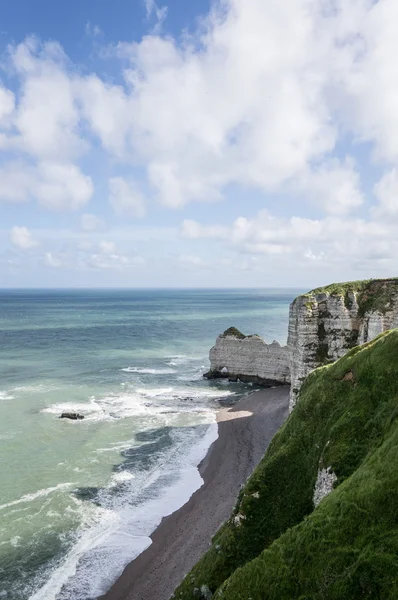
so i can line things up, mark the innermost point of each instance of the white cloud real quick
(50, 260)
(7, 104)
(334, 186)
(293, 241)
(92, 30)
(57, 186)
(46, 121)
(125, 198)
(160, 14)
(107, 247)
(191, 261)
(22, 238)
(117, 262)
(230, 104)
(386, 191)
(90, 222)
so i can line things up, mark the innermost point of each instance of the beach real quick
(244, 433)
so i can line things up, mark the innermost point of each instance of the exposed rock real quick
(324, 485)
(349, 376)
(248, 359)
(325, 323)
(71, 415)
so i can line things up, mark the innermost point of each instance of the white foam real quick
(145, 371)
(182, 359)
(6, 396)
(122, 532)
(142, 402)
(39, 494)
(86, 408)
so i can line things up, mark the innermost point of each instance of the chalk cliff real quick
(323, 325)
(318, 518)
(249, 359)
(327, 322)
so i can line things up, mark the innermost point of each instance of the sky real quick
(198, 144)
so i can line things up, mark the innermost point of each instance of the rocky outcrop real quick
(323, 325)
(72, 416)
(327, 322)
(248, 359)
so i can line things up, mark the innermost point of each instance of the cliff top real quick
(339, 289)
(372, 294)
(233, 332)
(347, 547)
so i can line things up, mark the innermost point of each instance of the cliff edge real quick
(327, 322)
(318, 519)
(324, 325)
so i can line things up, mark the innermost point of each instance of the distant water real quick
(78, 500)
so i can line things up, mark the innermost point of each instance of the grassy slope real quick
(348, 546)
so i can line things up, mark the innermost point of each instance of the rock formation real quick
(248, 359)
(317, 519)
(323, 325)
(72, 416)
(327, 322)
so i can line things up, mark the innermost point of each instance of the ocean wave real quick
(36, 389)
(182, 359)
(142, 402)
(119, 529)
(147, 371)
(6, 396)
(35, 495)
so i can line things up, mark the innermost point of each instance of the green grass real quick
(347, 548)
(233, 332)
(372, 294)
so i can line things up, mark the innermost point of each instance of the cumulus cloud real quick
(386, 191)
(110, 261)
(57, 186)
(91, 223)
(50, 260)
(334, 186)
(107, 247)
(229, 105)
(125, 198)
(160, 13)
(22, 238)
(7, 104)
(295, 240)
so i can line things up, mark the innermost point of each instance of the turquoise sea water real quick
(78, 500)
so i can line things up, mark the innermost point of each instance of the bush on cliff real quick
(276, 546)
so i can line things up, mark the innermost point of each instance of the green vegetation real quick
(233, 332)
(372, 294)
(276, 546)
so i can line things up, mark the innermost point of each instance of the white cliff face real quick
(250, 359)
(324, 326)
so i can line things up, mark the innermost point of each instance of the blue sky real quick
(197, 144)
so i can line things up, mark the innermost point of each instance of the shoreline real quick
(244, 433)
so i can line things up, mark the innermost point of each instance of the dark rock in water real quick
(213, 374)
(71, 415)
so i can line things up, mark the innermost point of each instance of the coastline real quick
(244, 433)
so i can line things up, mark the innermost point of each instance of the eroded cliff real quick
(327, 322)
(318, 518)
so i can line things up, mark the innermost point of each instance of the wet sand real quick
(244, 433)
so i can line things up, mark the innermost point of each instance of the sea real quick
(79, 499)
